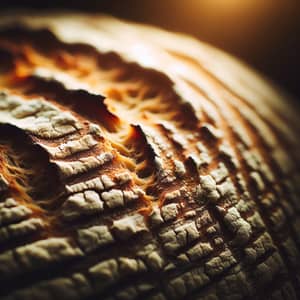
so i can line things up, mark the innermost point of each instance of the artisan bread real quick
(141, 164)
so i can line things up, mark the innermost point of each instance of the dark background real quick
(264, 33)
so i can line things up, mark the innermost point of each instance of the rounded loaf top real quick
(141, 164)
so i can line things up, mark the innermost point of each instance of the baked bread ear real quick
(141, 164)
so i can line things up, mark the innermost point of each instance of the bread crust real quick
(141, 164)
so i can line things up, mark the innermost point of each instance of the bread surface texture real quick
(141, 164)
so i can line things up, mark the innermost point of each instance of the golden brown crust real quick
(140, 164)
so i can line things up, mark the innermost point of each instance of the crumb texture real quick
(141, 164)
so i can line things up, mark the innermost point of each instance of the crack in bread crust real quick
(156, 168)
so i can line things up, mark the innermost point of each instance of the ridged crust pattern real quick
(141, 164)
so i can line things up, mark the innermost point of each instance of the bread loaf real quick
(141, 164)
